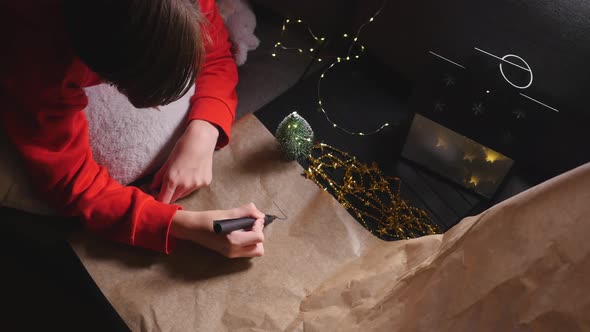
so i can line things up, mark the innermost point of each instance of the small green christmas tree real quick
(295, 136)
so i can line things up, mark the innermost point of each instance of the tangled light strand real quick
(386, 215)
(279, 45)
(348, 57)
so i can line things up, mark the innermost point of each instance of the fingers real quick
(235, 244)
(250, 210)
(171, 191)
(258, 227)
(170, 186)
(167, 190)
(157, 182)
(241, 238)
(255, 250)
(181, 191)
(248, 244)
(178, 194)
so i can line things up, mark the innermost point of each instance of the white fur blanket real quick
(128, 141)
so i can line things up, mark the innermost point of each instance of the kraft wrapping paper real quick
(522, 265)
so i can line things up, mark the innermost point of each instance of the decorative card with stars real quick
(479, 124)
(472, 95)
(455, 157)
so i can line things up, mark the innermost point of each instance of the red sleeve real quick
(215, 98)
(49, 129)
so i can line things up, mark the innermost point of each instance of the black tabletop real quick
(360, 96)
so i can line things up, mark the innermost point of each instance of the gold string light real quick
(385, 214)
(279, 45)
(349, 56)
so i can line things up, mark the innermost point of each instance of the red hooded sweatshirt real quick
(42, 98)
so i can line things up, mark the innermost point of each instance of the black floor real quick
(43, 284)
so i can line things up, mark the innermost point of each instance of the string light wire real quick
(350, 56)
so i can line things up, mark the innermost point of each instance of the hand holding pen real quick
(225, 226)
(198, 227)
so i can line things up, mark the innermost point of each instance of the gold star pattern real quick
(469, 156)
(441, 143)
(493, 156)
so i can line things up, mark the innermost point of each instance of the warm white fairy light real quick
(337, 59)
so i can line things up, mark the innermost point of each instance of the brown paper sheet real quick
(523, 265)
(520, 266)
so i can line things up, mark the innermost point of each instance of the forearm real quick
(202, 130)
(184, 221)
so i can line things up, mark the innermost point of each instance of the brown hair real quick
(151, 50)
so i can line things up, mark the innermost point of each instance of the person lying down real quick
(152, 52)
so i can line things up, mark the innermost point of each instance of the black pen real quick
(229, 225)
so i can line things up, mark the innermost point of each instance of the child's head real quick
(151, 50)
